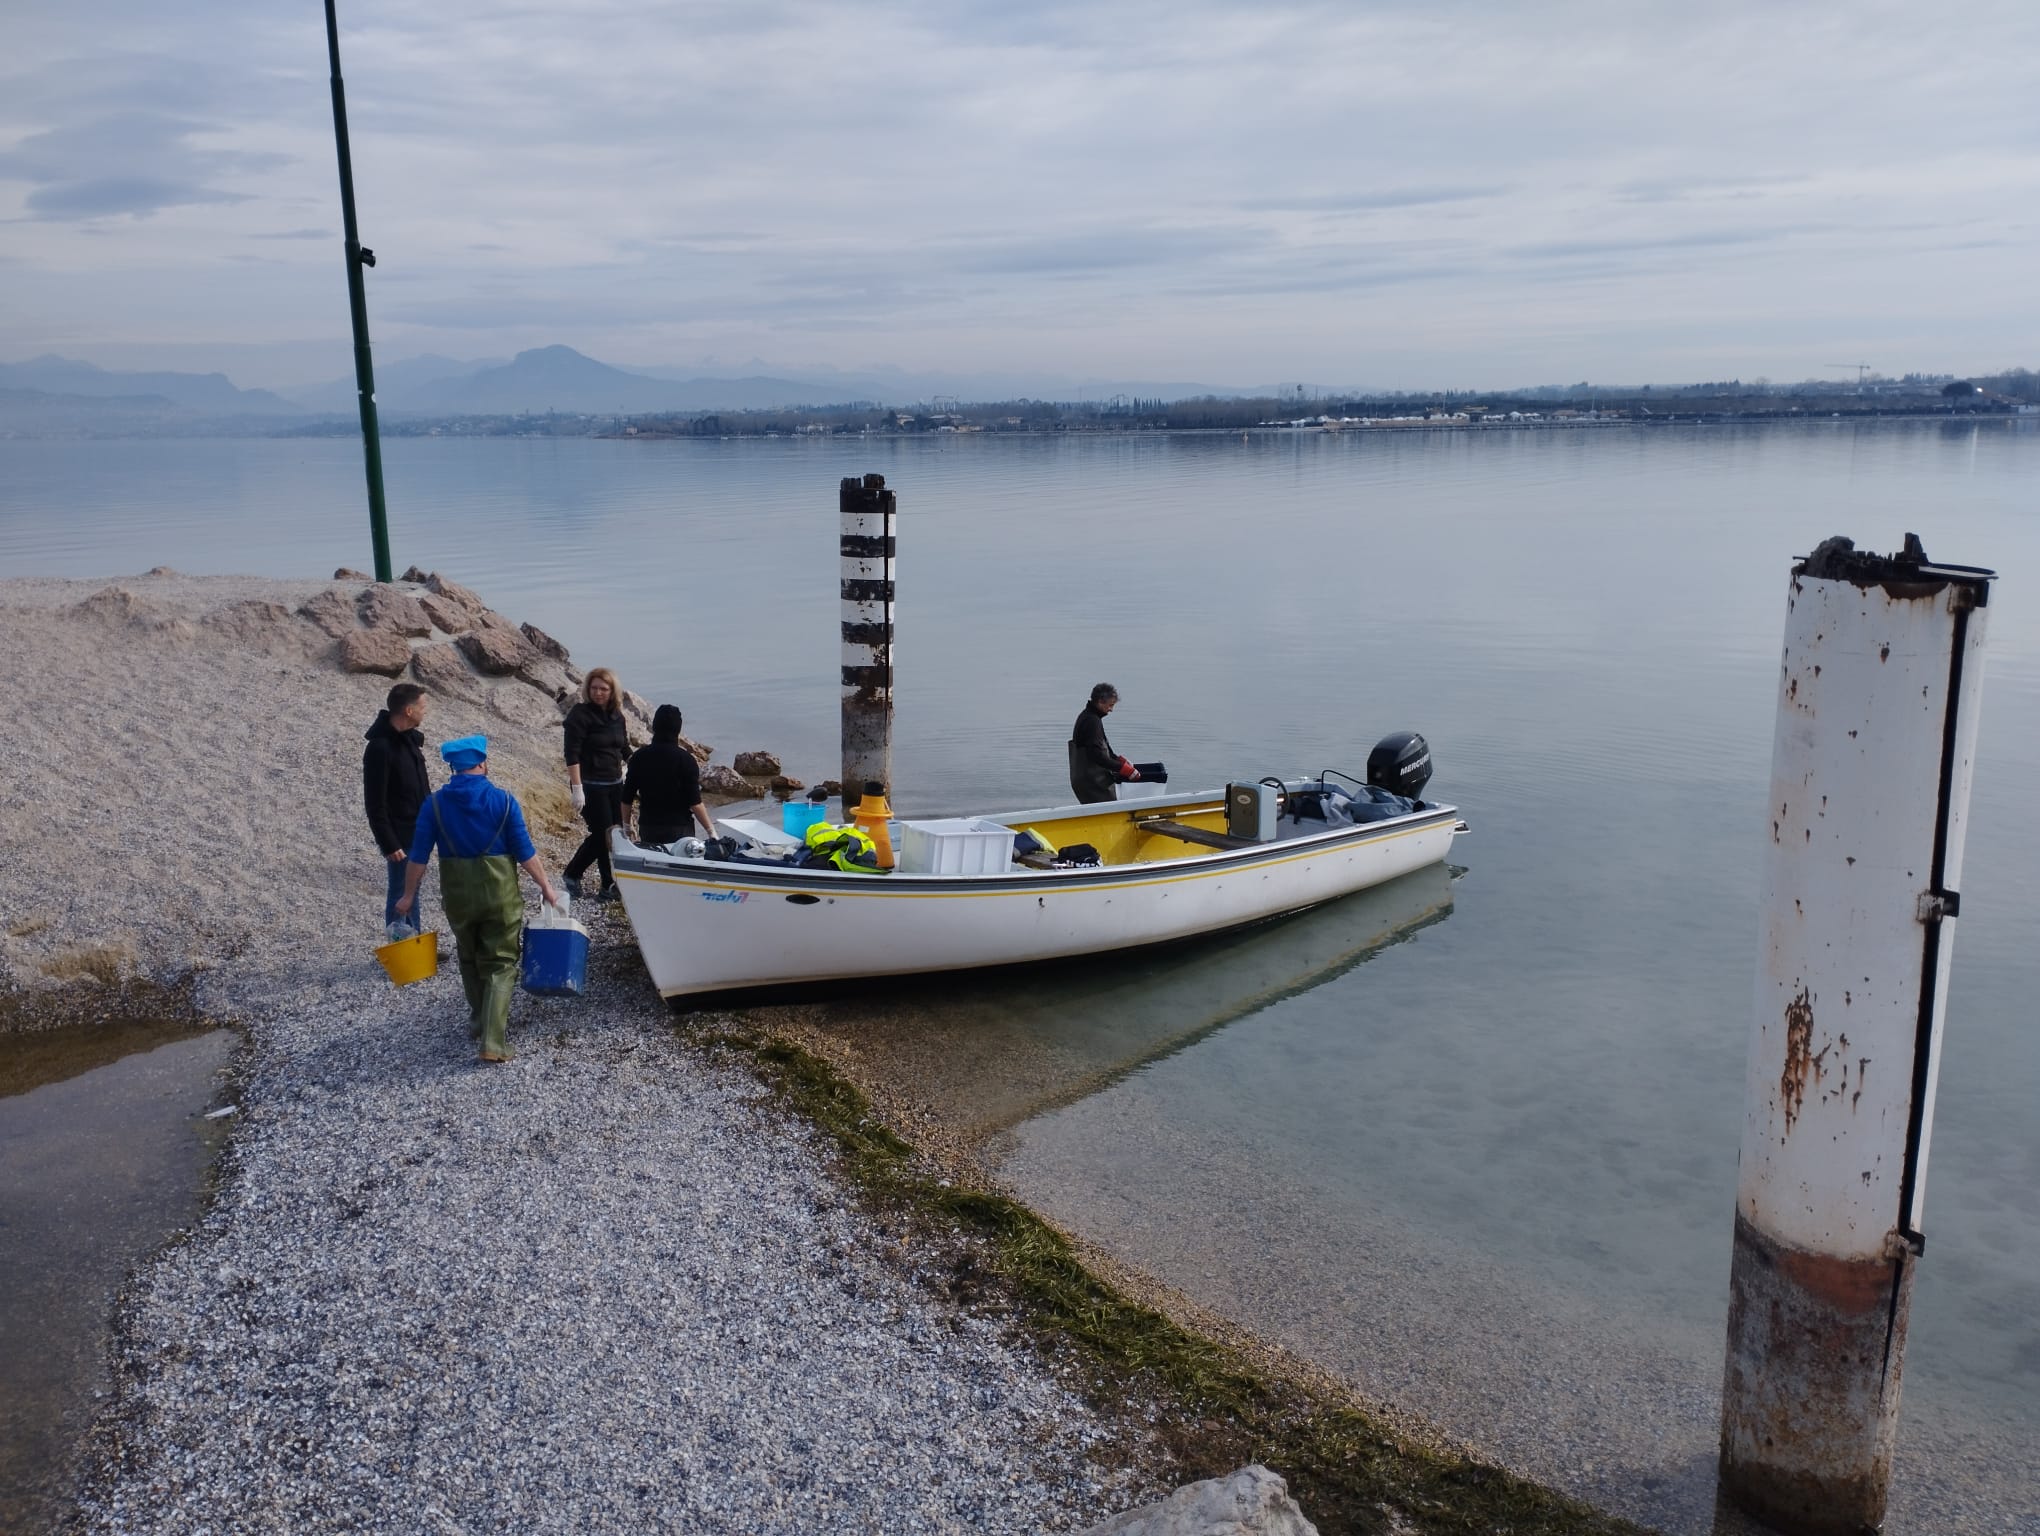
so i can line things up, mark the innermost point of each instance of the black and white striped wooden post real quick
(868, 509)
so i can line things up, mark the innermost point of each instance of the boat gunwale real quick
(642, 864)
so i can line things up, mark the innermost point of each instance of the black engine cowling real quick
(1400, 764)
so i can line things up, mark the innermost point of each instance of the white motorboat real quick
(1166, 868)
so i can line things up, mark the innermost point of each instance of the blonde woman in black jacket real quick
(598, 744)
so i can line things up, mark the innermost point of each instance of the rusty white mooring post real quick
(868, 509)
(1870, 770)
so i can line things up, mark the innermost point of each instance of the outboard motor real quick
(1400, 764)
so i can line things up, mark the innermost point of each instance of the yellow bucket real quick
(412, 959)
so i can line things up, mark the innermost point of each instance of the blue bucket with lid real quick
(556, 961)
(796, 816)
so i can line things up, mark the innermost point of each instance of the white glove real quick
(578, 795)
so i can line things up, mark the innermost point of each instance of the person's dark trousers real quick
(603, 811)
(658, 834)
(389, 911)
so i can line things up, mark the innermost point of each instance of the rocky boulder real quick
(349, 573)
(639, 708)
(445, 614)
(496, 652)
(332, 611)
(374, 650)
(386, 608)
(1251, 1502)
(454, 592)
(547, 676)
(542, 642)
(726, 783)
(784, 785)
(444, 671)
(523, 705)
(757, 765)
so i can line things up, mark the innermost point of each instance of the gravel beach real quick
(607, 1288)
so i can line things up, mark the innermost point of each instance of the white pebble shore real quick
(608, 1287)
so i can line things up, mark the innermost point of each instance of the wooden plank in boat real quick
(1198, 835)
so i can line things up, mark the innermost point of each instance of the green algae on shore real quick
(1350, 1472)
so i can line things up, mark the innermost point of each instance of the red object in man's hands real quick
(1126, 768)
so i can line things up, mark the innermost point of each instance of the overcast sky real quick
(1342, 194)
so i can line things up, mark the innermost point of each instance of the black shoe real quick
(609, 892)
(571, 884)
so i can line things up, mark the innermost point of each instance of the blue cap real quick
(465, 751)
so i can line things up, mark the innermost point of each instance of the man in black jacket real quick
(394, 785)
(1096, 770)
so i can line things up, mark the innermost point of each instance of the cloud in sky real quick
(1346, 193)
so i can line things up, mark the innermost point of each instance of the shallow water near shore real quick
(103, 1156)
(1490, 1173)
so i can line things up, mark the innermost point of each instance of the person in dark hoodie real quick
(598, 742)
(1096, 771)
(663, 785)
(394, 783)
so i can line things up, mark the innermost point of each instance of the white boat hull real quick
(709, 927)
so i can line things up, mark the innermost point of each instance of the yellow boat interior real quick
(1132, 832)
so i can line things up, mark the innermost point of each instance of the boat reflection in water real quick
(984, 1051)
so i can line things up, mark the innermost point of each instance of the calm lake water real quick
(1490, 1173)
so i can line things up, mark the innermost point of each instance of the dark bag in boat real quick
(729, 850)
(1075, 856)
(1152, 773)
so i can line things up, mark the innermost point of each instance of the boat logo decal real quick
(724, 895)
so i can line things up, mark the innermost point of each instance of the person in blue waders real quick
(479, 830)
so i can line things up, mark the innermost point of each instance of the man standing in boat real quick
(1096, 770)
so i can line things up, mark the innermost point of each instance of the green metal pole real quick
(357, 304)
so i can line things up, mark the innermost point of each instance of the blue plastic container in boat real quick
(556, 961)
(796, 816)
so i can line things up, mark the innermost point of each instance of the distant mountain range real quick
(205, 394)
(56, 391)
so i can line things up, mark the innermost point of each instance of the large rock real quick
(386, 608)
(497, 652)
(349, 573)
(757, 765)
(488, 618)
(1251, 1502)
(546, 675)
(446, 614)
(444, 671)
(522, 704)
(542, 642)
(453, 591)
(726, 782)
(375, 650)
(701, 753)
(332, 610)
(785, 784)
(639, 709)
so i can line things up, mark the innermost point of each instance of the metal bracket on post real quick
(1936, 906)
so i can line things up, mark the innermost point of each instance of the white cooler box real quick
(961, 845)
